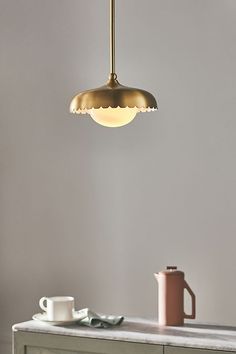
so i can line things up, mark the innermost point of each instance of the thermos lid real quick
(171, 270)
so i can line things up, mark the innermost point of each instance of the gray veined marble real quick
(192, 335)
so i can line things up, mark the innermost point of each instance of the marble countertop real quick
(192, 335)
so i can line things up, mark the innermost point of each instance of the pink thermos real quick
(171, 285)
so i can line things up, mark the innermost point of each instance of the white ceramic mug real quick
(58, 308)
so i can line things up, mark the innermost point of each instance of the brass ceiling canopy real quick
(113, 104)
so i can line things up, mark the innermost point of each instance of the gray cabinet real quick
(135, 336)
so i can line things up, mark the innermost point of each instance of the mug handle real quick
(41, 303)
(191, 293)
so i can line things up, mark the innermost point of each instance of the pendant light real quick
(113, 105)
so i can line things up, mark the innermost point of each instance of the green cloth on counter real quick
(92, 319)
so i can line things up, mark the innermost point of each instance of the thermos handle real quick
(193, 314)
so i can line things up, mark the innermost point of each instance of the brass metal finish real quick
(112, 36)
(113, 95)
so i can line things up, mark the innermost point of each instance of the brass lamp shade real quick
(113, 105)
(113, 95)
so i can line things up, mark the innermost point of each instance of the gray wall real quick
(91, 211)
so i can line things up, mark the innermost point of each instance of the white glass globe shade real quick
(113, 117)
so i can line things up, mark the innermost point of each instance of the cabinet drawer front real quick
(43, 343)
(180, 350)
(34, 350)
(39, 343)
(108, 348)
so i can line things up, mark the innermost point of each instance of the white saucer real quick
(42, 317)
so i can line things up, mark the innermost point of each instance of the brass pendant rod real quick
(112, 36)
